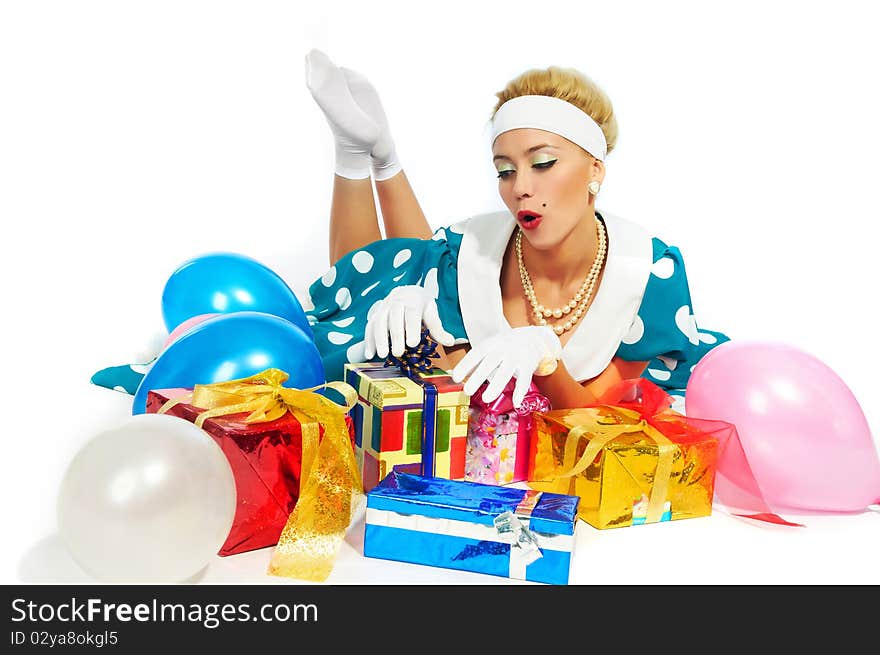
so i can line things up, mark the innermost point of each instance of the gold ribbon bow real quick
(598, 435)
(330, 483)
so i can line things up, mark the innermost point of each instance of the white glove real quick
(516, 353)
(354, 132)
(400, 316)
(384, 155)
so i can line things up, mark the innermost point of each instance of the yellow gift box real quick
(626, 468)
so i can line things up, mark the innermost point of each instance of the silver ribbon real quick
(512, 528)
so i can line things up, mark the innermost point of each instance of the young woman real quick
(551, 290)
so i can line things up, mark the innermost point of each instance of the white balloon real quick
(150, 500)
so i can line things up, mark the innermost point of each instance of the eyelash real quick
(544, 165)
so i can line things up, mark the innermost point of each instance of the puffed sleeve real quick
(344, 295)
(446, 290)
(664, 332)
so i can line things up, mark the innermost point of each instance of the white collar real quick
(598, 334)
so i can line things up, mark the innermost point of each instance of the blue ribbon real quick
(416, 360)
(413, 363)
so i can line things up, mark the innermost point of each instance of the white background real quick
(134, 136)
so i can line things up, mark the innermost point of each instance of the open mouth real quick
(528, 219)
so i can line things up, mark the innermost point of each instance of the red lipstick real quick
(528, 220)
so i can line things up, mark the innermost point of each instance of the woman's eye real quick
(544, 163)
(505, 172)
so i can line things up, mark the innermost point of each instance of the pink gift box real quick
(498, 436)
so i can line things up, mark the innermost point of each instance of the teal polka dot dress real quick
(663, 333)
(345, 294)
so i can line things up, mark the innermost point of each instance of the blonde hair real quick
(566, 84)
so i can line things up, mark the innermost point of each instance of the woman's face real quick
(543, 178)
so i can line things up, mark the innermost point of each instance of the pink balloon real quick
(183, 327)
(805, 435)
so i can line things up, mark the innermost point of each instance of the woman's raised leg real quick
(401, 212)
(353, 219)
(363, 144)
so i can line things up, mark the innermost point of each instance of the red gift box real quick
(266, 460)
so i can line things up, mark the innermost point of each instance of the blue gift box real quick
(504, 531)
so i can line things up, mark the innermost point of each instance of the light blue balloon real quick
(226, 282)
(232, 346)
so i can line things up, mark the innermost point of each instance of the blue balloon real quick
(226, 282)
(232, 346)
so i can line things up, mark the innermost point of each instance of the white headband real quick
(552, 115)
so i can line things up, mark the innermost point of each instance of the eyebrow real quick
(527, 152)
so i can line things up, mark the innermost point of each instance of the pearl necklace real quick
(577, 306)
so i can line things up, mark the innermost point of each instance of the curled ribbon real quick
(523, 543)
(533, 401)
(524, 547)
(330, 483)
(416, 360)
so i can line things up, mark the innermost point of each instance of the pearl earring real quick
(593, 187)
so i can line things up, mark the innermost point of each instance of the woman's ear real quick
(597, 170)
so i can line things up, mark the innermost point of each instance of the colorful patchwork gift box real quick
(632, 462)
(396, 415)
(504, 531)
(499, 435)
(269, 460)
